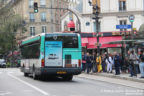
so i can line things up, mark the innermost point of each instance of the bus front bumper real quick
(60, 71)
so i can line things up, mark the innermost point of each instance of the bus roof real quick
(37, 37)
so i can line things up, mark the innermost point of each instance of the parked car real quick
(2, 63)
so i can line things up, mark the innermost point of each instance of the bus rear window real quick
(68, 41)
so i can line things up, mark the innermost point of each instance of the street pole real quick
(131, 19)
(97, 25)
(95, 6)
(124, 45)
(97, 32)
(132, 32)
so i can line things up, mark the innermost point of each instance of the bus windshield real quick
(69, 41)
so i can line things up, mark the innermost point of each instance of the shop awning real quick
(84, 41)
(104, 42)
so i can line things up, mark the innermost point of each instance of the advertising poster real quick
(53, 53)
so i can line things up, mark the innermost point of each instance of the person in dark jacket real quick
(94, 64)
(141, 66)
(88, 62)
(132, 59)
(116, 63)
(83, 61)
(103, 62)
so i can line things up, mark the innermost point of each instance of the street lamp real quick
(96, 18)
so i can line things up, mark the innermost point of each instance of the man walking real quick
(88, 62)
(132, 59)
(94, 65)
(141, 66)
(116, 64)
(83, 62)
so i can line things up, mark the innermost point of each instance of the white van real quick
(2, 63)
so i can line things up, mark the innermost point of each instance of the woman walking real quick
(109, 63)
(98, 61)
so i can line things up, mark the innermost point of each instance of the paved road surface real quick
(13, 83)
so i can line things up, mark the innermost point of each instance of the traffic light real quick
(35, 7)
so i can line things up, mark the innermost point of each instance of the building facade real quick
(84, 11)
(45, 21)
(117, 12)
(112, 13)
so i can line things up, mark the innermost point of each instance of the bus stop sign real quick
(131, 18)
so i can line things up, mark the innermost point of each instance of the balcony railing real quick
(32, 20)
(43, 20)
(31, 6)
(42, 6)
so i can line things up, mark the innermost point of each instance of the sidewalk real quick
(123, 76)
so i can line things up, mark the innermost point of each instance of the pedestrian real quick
(88, 62)
(132, 59)
(104, 63)
(116, 63)
(125, 65)
(109, 63)
(94, 64)
(141, 66)
(98, 61)
(83, 62)
(121, 60)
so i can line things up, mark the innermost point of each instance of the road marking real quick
(30, 85)
(2, 93)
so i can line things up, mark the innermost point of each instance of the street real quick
(13, 83)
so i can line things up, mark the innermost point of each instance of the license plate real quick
(61, 72)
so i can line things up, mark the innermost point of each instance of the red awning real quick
(84, 41)
(103, 41)
(92, 41)
(71, 24)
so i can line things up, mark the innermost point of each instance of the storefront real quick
(89, 44)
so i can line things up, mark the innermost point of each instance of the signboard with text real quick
(123, 26)
(53, 53)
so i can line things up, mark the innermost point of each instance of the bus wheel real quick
(68, 77)
(35, 77)
(25, 74)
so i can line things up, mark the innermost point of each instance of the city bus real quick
(52, 54)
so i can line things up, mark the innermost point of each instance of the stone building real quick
(45, 21)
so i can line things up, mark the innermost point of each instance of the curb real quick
(117, 77)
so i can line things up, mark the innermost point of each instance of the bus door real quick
(53, 53)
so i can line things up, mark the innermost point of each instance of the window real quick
(65, 26)
(32, 18)
(43, 3)
(123, 22)
(43, 16)
(67, 59)
(32, 31)
(68, 41)
(31, 2)
(31, 51)
(95, 29)
(44, 30)
(122, 5)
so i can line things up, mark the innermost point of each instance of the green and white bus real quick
(53, 54)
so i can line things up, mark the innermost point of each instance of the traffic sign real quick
(123, 26)
(131, 18)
